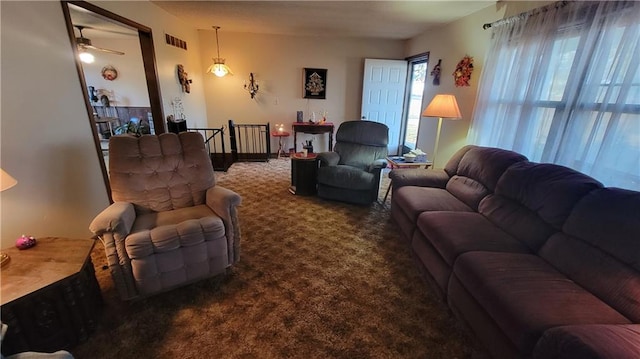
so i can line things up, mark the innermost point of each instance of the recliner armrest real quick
(378, 164)
(223, 202)
(118, 217)
(437, 178)
(328, 158)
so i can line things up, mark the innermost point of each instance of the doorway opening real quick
(95, 21)
(417, 73)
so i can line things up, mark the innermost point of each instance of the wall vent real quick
(174, 41)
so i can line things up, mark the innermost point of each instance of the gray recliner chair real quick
(351, 173)
(170, 224)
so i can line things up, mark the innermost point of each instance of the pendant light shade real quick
(219, 68)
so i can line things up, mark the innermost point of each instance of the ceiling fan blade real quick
(85, 46)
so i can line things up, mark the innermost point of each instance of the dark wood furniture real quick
(50, 297)
(304, 170)
(312, 128)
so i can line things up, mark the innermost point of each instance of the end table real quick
(50, 297)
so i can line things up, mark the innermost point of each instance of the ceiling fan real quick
(84, 43)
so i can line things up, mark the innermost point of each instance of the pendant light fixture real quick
(219, 68)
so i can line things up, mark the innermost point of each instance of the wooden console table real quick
(312, 128)
(50, 297)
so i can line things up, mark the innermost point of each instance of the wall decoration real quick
(109, 73)
(183, 77)
(315, 83)
(436, 73)
(463, 71)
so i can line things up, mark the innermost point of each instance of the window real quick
(415, 89)
(563, 86)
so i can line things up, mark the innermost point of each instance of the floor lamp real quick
(442, 106)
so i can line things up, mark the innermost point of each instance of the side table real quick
(398, 162)
(50, 297)
(304, 170)
(280, 135)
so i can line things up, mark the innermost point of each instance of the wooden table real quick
(398, 162)
(280, 134)
(50, 297)
(312, 128)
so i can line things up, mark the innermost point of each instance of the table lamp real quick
(6, 182)
(442, 106)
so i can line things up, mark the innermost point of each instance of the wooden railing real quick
(214, 141)
(249, 142)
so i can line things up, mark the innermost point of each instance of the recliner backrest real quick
(160, 173)
(360, 143)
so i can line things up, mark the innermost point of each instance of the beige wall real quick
(45, 135)
(277, 62)
(451, 43)
(130, 87)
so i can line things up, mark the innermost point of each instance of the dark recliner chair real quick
(351, 173)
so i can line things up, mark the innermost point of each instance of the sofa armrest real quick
(419, 177)
(590, 342)
(328, 159)
(224, 202)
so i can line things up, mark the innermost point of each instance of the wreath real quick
(463, 71)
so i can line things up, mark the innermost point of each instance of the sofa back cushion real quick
(600, 248)
(478, 172)
(533, 200)
(160, 173)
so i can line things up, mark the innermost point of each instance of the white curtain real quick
(562, 85)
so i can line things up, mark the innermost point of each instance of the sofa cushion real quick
(532, 200)
(550, 191)
(525, 295)
(600, 249)
(590, 342)
(343, 176)
(454, 233)
(478, 173)
(415, 200)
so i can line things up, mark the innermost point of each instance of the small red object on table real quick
(280, 135)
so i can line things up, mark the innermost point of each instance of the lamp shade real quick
(443, 106)
(6, 181)
(219, 68)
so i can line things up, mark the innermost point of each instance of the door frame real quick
(149, 62)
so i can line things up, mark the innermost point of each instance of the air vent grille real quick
(174, 41)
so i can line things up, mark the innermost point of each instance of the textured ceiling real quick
(377, 19)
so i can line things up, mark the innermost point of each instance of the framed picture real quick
(315, 83)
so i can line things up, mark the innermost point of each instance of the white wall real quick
(168, 57)
(130, 87)
(45, 135)
(451, 43)
(277, 62)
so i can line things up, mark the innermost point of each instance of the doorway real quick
(415, 89)
(103, 102)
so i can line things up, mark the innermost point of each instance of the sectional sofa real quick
(537, 259)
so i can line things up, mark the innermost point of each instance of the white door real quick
(383, 87)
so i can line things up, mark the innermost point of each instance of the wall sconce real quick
(252, 87)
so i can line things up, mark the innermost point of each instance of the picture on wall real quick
(315, 83)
